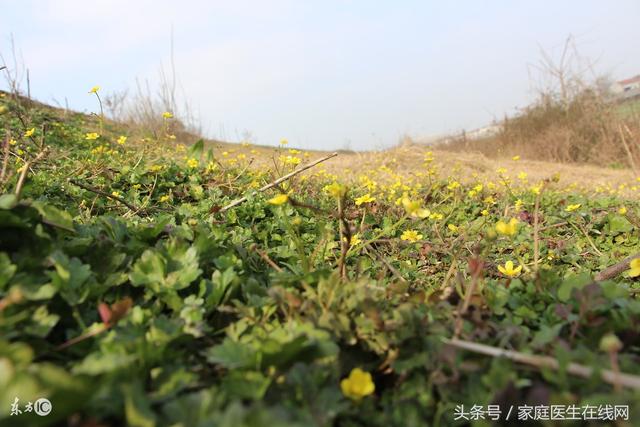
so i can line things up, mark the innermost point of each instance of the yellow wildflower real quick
(518, 205)
(411, 236)
(522, 176)
(507, 229)
(572, 208)
(355, 239)
(115, 193)
(484, 212)
(283, 141)
(12, 141)
(167, 115)
(358, 385)
(436, 216)
(290, 160)
(91, 136)
(279, 199)
(122, 140)
(192, 163)
(452, 227)
(412, 207)
(164, 198)
(29, 133)
(94, 89)
(365, 199)
(634, 266)
(622, 210)
(515, 158)
(335, 190)
(508, 269)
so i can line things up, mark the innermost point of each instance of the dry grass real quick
(408, 160)
(586, 130)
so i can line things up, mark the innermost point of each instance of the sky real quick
(325, 74)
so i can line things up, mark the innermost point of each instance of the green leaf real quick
(7, 270)
(196, 149)
(8, 201)
(137, 407)
(42, 322)
(246, 384)
(220, 284)
(70, 277)
(54, 216)
(232, 355)
(99, 363)
(573, 282)
(149, 270)
(618, 224)
(546, 334)
(173, 268)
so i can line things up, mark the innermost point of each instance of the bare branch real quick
(279, 180)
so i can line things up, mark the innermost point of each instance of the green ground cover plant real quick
(129, 294)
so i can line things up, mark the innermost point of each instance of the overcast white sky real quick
(323, 74)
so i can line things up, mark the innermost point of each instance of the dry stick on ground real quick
(369, 249)
(105, 194)
(614, 270)
(345, 238)
(558, 224)
(147, 199)
(266, 258)
(5, 160)
(25, 171)
(278, 181)
(586, 235)
(476, 273)
(611, 377)
(536, 231)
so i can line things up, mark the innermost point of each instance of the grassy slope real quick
(243, 319)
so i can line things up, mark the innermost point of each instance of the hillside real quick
(399, 288)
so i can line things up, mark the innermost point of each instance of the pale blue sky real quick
(324, 74)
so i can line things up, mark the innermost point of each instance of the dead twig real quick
(550, 226)
(266, 259)
(105, 194)
(536, 232)
(608, 376)
(278, 181)
(391, 268)
(25, 171)
(614, 270)
(345, 238)
(5, 158)
(476, 267)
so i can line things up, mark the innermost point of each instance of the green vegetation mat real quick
(129, 297)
